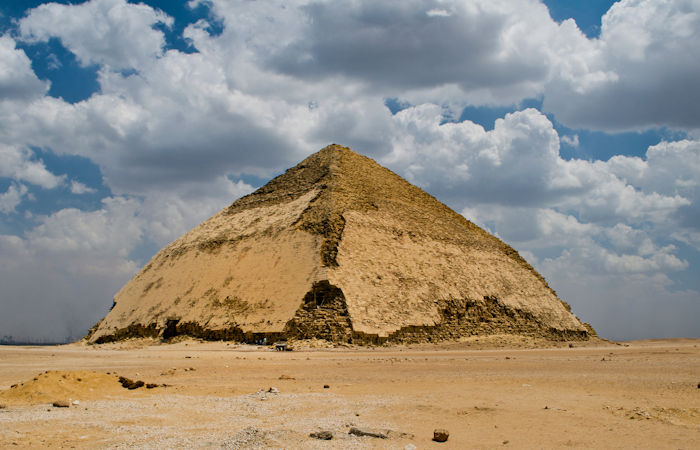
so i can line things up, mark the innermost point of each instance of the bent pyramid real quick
(337, 248)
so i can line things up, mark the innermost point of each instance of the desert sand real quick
(488, 393)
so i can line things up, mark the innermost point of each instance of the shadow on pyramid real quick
(342, 249)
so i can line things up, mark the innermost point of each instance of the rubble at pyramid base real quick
(324, 315)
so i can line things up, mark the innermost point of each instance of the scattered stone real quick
(273, 390)
(322, 435)
(440, 435)
(571, 345)
(3, 406)
(61, 404)
(130, 384)
(286, 377)
(375, 434)
(325, 386)
(151, 385)
(76, 402)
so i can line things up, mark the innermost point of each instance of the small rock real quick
(151, 385)
(698, 385)
(130, 384)
(61, 404)
(322, 435)
(286, 377)
(325, 386)
(440, 435)
(571, 345)
(410, 447)
(273, 390)
(76, 402)
(375, 434)
(3, 406)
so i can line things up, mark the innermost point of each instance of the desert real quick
(488, 392)
(320, 224)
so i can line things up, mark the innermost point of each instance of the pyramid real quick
(337, 248)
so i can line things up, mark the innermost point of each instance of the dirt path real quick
(637, 395)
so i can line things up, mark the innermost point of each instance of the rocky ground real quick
(497, 393)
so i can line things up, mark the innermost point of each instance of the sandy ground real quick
(628, 395)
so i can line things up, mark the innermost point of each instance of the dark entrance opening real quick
(170, 330)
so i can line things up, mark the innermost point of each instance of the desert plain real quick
(496, 392)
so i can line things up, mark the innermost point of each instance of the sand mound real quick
(54, 385)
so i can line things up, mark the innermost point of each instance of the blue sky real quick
(570, 129)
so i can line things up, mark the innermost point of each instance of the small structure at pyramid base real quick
(342, 249)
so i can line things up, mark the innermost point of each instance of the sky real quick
(569, 129)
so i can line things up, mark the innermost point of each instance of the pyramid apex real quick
(337, 148)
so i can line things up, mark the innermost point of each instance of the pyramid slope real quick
(339, 248)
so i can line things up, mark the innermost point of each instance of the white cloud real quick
(17, 80)
(571, 141)
(110, 32)
(651, 48)
(487, 51)
(78, 188)
(11, 198)
(17, 163)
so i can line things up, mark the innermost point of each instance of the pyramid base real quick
(324, 315)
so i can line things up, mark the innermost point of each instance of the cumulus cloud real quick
(110, 32)
(483, 51)
(571, 141)
(17, 163)
(78, 188)
(12, 197)
(17, 79)
(651, 48)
